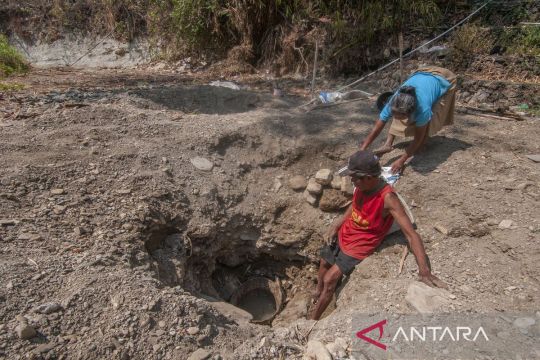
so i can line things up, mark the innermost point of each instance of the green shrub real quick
(527, 42)
(11, 61)
(194, 19)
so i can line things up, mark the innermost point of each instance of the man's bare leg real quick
(387, 147)
(330, 281)
(323, 268)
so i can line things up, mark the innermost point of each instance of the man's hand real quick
(333, 229)
(328, 237)
(397, 165)
(431, 280)
(379, 126)
(396, 209)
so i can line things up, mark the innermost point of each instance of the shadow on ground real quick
(439, 149)
(347, 123)
(203, 99)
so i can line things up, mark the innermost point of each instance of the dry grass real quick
(467, 43)
(519, 69)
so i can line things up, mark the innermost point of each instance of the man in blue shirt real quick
(420, 108)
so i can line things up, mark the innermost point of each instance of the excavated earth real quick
(113, 244)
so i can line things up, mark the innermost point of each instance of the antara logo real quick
(423, 334)
(380, 326)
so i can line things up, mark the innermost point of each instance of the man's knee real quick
(331, 278)
(329, 286)
(324, 264)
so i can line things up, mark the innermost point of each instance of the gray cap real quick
(361, 163)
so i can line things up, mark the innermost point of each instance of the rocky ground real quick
(129, 200)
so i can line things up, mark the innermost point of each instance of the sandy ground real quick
(104, 214)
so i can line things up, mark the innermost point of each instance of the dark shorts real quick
(332, 254)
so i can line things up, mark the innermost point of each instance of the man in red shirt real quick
(362, 229)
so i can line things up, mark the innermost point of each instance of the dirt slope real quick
(104, 214)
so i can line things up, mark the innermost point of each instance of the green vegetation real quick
(527, 41)
(8, 87)
(472, 40)
(509, 13)
(283, 32)
(353, 35)
(533, 110)
(10, 59)
(468, 42)
(195, 20)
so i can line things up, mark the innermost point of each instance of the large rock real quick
(533, 157)
(48, 308)
(506, 224)
(313, 187)
(43, 348)
(426, 299)
(295, 309)
(294, 238)
(277, 185)
(332, 200)
(317, 351)
(239, 316)
(524, 322)
(480, 97)
(200, 354)
(324, 176)
(25, 331)
(338, 348)
(202, 164)
(310, 198)
(8, 222)
(298, 183)
(346, 185)
(336, 182)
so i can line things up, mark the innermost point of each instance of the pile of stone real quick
(326, 190)
(317, 350)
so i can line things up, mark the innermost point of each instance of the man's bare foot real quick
(315, 294)
(385, 149)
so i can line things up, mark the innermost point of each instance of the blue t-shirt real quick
(429, 88)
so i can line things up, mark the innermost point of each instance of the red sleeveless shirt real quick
(365, 229)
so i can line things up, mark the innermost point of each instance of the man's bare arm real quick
(394, 206)
(336, 224)
(419, 134)
(379, 126)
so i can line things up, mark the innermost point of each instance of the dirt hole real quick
(260, 303)
(261, 297)
(262, 286)
(169, 251)
(273, 288)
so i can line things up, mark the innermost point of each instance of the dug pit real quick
(267, 287)
(261, 297)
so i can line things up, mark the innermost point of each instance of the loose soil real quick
(104, 213)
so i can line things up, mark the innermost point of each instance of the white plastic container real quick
(330, 97)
